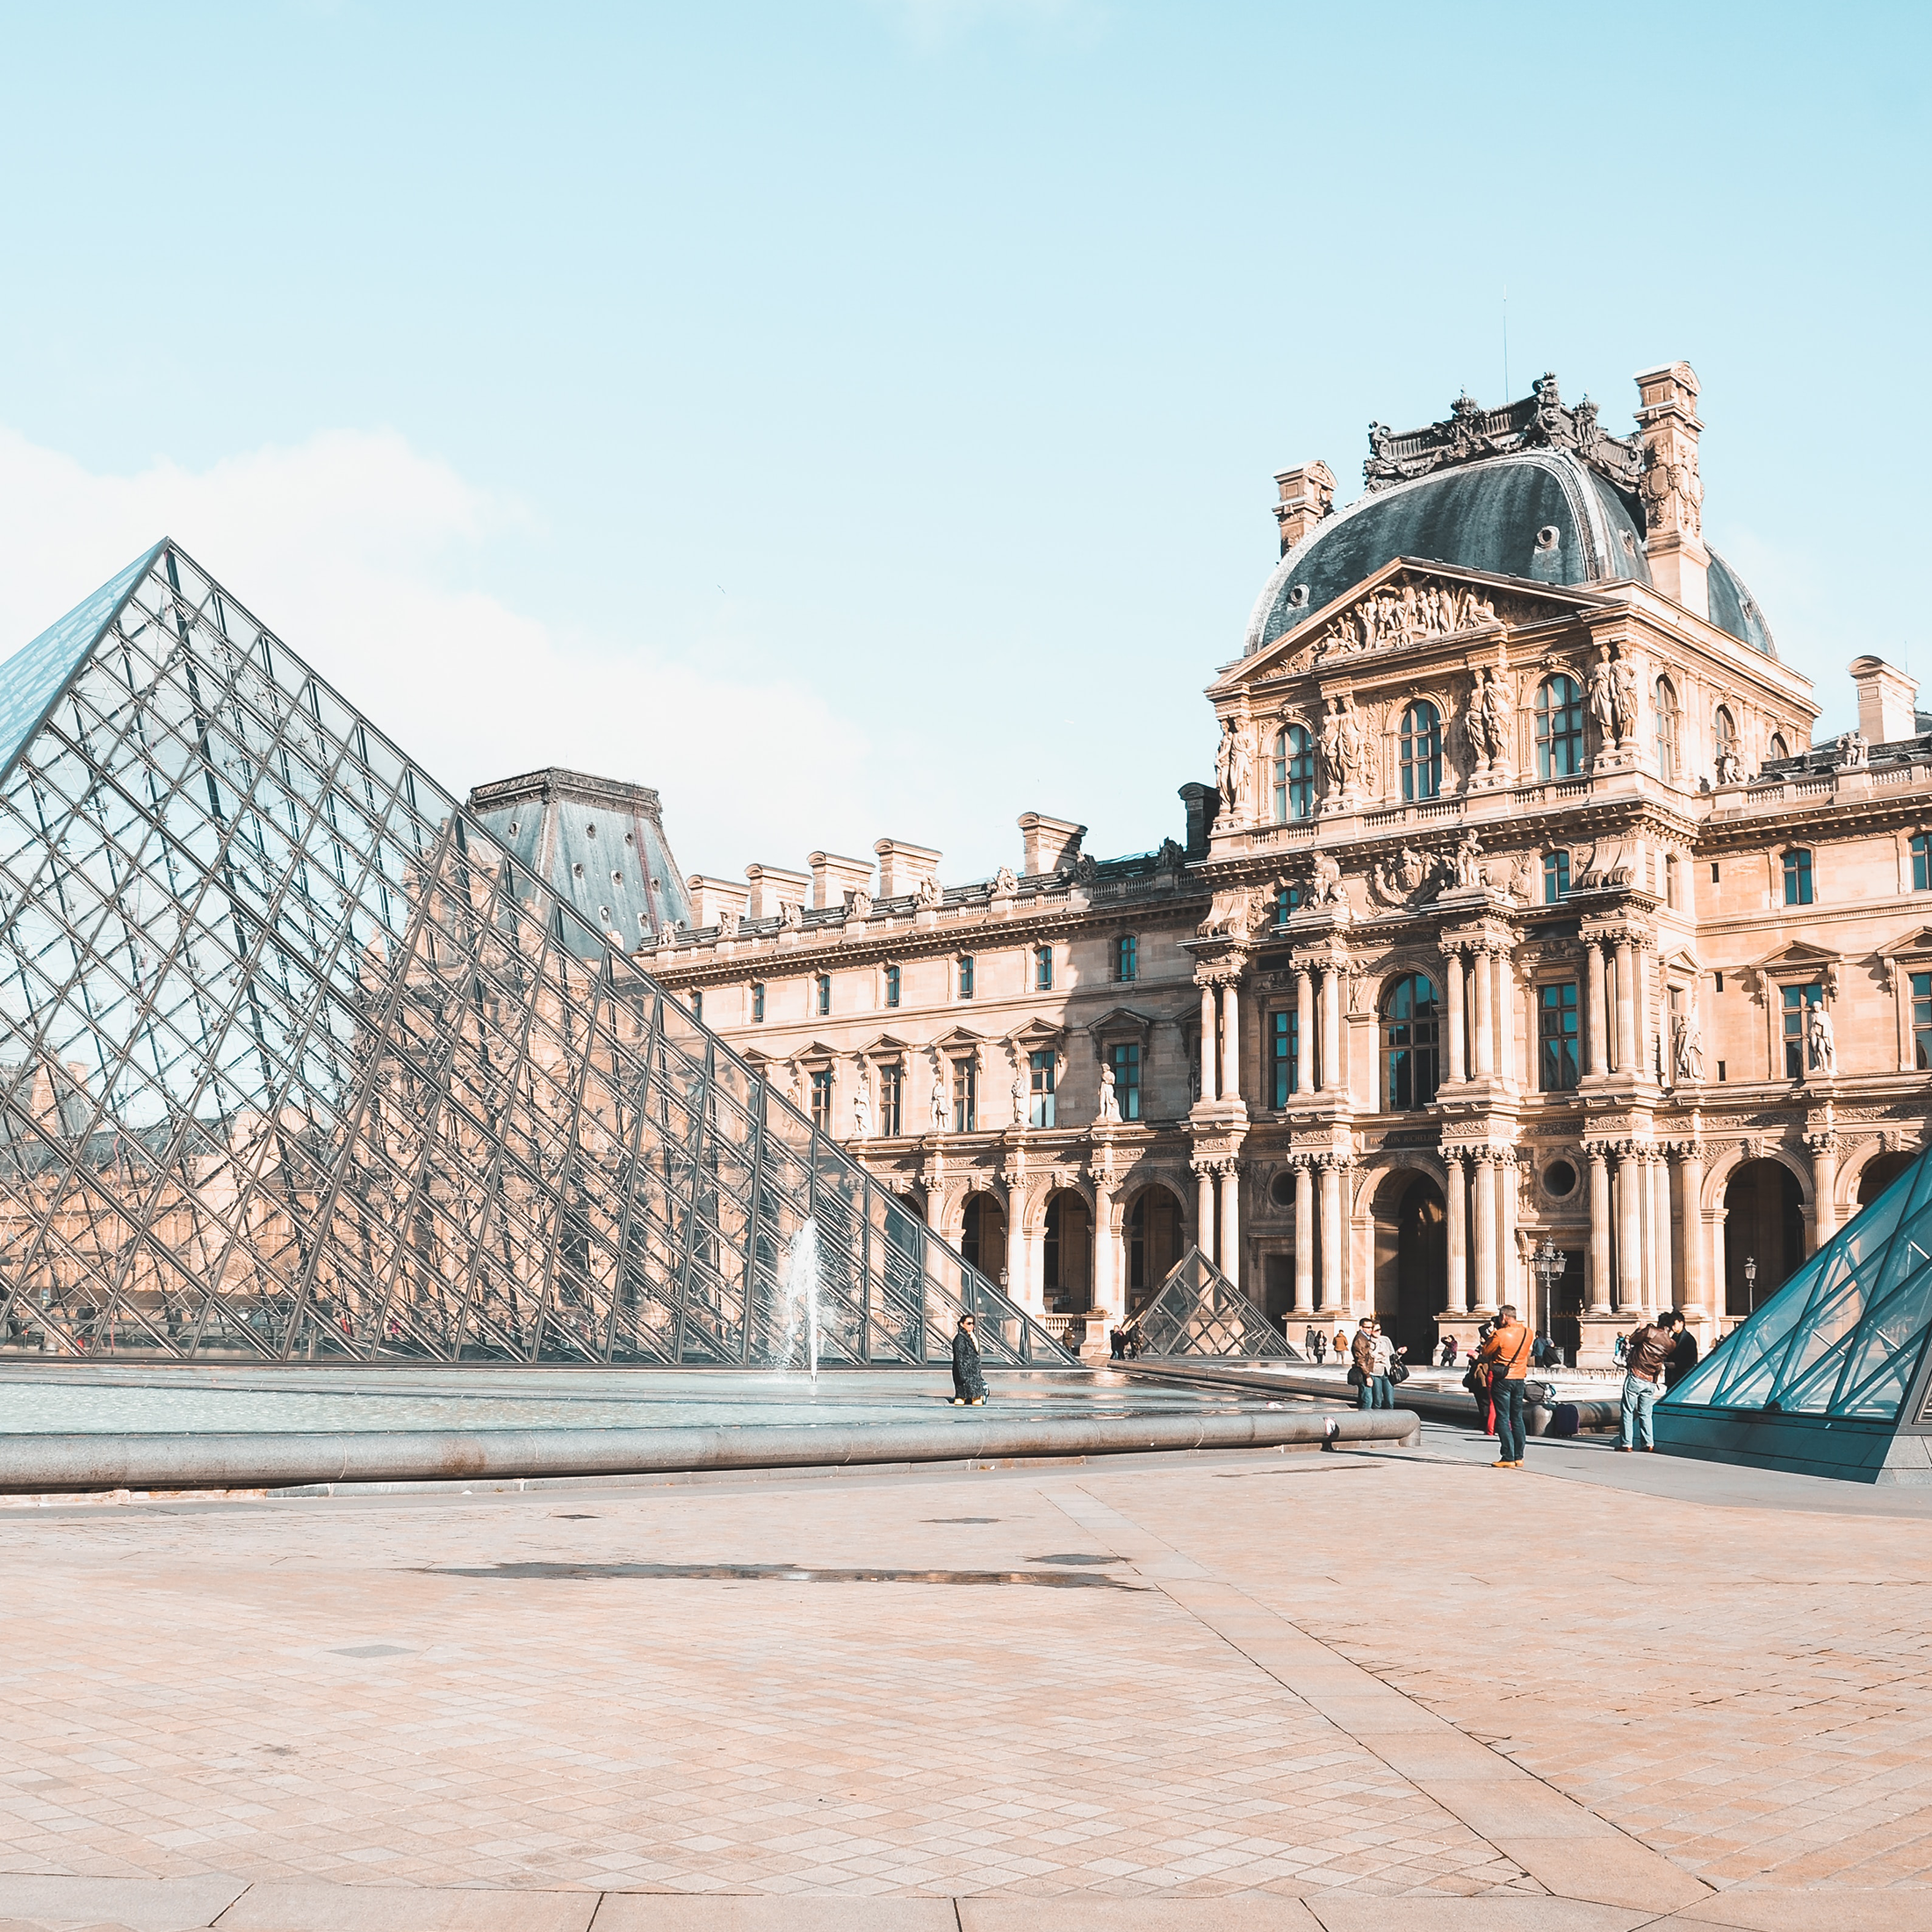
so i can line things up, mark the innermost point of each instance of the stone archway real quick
(1411, 1258)
(982, 1235)
(1152, 1226)
(1764, 1223)
(1878, 1173)
(1067, 1253)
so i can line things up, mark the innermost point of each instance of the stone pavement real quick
(1369, 1689)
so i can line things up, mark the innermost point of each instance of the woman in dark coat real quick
(969, 1382)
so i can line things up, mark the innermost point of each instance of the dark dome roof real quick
(1496, 517)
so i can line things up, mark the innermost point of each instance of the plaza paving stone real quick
(1374, 1689)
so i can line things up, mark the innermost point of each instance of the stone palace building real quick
(1525, 947)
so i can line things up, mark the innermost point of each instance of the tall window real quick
(1287, 897)
(1778, 748)
(1797, 876)
(1284, 1035)
(1921, 1020)
(1408, 1043)
(1126, 957)
(892, 985)
(697, 1003)
(1040, 1067)
(1294, 774)
(1556, 876)
(965, 975)
(821, 992)
(1559, 727)
(1797, 1001)
(1724, 735)
(1667, 765)
(892, 1098)
(1922, 861)
(1042, 968)
(1421, 751)
(966, 1095)
(1126, 1060)
(821, 1099)
(757, 999)
(1557, 1066)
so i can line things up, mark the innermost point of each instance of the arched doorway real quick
(983, 1236)
(1153, 1242)
(1412, 1260)
(1067, 1257)
(1764, 1224)
(1879, 1173)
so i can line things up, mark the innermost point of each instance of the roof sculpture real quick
(296, 1060)
(1830, 1376)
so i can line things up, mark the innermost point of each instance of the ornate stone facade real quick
(1521, 922)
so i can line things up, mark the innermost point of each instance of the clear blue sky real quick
(922, 366)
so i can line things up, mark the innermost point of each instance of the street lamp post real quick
(1750, 1282)
(1549, 1262)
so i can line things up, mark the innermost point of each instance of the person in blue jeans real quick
(1506, 1356)
(1372, 1352)
(1645, 1354)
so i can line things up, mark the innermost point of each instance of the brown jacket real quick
(1506, 1353)
(1648, 1350)
(1362, 1351)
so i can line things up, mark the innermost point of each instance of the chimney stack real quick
(903, 867)
(712, 900)
(833, 877)
(773, 890)
(1888, 701)
(1673, 492)
(1047, 841)
(1308, 495)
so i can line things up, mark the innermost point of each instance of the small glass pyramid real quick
(1199, 1311)
(296, 1062)
(1838, 1352)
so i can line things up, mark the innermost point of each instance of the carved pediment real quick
(1407, 603)
(1121, 1023)
(1795, 958)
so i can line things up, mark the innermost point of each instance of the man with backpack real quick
(1505, 1359)
(1645, 1353)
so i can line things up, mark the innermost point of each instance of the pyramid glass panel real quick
(1199, 1311)
(297, 1063)
(1845, 1337)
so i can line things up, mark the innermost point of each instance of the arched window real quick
(1556, 876)
(1294, 774)
(1667, 765)
(1408, 1043)
(1724, 735)
(1421, 751)
(1559, 727)
(1778, 747)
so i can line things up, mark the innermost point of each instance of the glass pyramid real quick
(1829, 1375)
(1199, 1311)
(296, 1063)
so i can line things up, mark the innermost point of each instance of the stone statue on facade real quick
(1018, 1095)
(1325, 886)
(929, 891)
(1603, 695)
(1687, 1046)
(858, 904)
(1853, 750)
(1487, 719)
(1170, 857)
(943, 1103)
(790, 915)
(1343, 746)
(1821, 1050)
(1623, 694)
(1730, 772)
(1233, 767)
(1004, 883)
(862, 1107)
(1110, 1101)
(1469, 864)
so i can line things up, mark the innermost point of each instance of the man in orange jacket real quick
(1506, 1357)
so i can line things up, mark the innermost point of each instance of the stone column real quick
(1654, 1293)
(1485, 1220)
(1824, 1153)
(1502, 966)
(1108, 1298)
(1332, 1028)
(1629, 1232)
(1332, 1238)
(1690, 1183)
(1720, 1297)
(1456, 1201)
(1304, 1237)
(1304, 1029)
(1458, 1058)
(1506, 1288)
(1626, 1009)
(1599, 1017)
(1209, 1088)
(1019, 1281)
(1231, 1222)
(1231, 1041)
(1599, 1225)
(1663, 1283)
(1485, 1016)
(1204, 1212)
